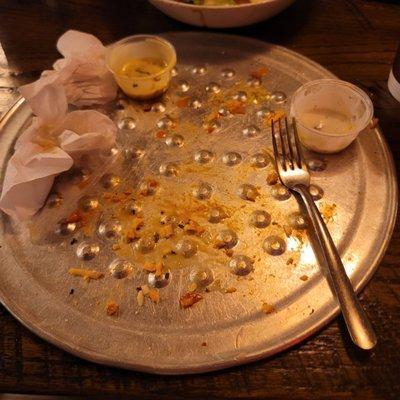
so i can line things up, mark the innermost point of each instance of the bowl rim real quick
(330, 81)
(202, 7)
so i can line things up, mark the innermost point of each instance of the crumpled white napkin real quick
(56, 138)
(82, 72)
(39, 159)
(29, 177)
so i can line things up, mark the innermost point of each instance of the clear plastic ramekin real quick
(330, 114)
(142, 46)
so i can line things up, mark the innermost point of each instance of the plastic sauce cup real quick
(142, 47)
(330, 114)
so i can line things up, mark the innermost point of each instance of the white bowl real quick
(221, 16)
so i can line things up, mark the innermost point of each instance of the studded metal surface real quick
(236, 241)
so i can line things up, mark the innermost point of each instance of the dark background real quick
(356, 40)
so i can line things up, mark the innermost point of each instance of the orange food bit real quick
(193, 228)
(259, 73)
(161, 134)
(236, 107)
(76, 216)
(112, 308)
(188, 299)
(86, 274)
(166, 231)
(183, 102)
(153, 183)
(267, 308)
(151, 267)
(275, 115)
(272, 178)
(154, 296)
(154, 267)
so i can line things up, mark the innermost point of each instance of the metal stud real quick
(87, 251)
(228, 73)
(174, 141)
(260, 160)
(231, 158)
(280, 192)
(241, 265)
(202, 276)
(203, 191)
(260, 219)
(127, 123)
(120, 269)
(274, 245)
(186, 248)
(203, 156)
(159, 281)
(110, 229)
(88, 203)
(251, 131)
(213, 87)
(110, 181)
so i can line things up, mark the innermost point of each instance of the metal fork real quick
(294, 174)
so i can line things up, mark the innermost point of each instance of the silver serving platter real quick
(224, 329)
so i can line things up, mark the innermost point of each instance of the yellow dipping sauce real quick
(142, 67)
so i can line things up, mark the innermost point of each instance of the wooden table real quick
(355, 39)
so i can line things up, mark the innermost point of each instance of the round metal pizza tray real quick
(227, 327)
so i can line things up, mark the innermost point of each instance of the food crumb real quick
(166, 231)
(140, 298)
(86, 274)
(259, 73)
(304, 278)
(272, 178)
(154, 267)
(267, 308)
(204, 344)
(154, 296)
(188, 299)
(145, 289)
(192, 287)
(112, 308)
(230, 290)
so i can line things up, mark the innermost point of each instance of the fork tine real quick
(283, 147)
(290, 145)
(275, 146)
(298, 145)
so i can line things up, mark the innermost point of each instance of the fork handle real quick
(358, 324)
